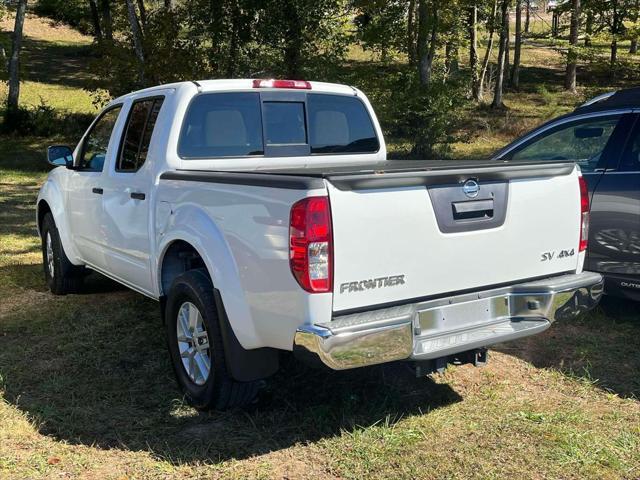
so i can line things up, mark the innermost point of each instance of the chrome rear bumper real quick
(446, 326)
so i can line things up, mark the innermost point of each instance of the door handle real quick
(471, 210)
(99, 191)
(138, 195)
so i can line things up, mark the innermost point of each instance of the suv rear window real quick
(240, 124)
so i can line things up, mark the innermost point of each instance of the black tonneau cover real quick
(391, 173)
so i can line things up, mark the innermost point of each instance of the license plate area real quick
(461, 316)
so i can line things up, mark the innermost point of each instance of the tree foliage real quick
(147, 42)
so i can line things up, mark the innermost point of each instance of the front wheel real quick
(61, 275)
(196, 346)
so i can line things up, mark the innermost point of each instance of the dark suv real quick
(603, 137)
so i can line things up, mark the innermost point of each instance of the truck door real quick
(614, 239)
(127, 201)
(86, 188)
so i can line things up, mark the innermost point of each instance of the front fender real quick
(191, 224)
(51, 193)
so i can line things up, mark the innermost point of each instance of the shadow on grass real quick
(53, 63)
(601, 347)
(93, 369)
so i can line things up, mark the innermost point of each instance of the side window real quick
(630, 161)
(582, 141)
(137, 135)
(94, 148)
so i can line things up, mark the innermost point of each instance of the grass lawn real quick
(87, 391)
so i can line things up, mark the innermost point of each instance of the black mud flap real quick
(244, 365)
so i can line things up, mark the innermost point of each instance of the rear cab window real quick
(257, 124)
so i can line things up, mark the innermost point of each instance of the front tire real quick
(196, 346)
(61, 275)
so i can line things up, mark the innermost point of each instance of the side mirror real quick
(60, 155)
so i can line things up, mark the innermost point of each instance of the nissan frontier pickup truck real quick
(264, 216)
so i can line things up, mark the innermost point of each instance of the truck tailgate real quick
(409, 235)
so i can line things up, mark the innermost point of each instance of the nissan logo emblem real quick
(471, 188)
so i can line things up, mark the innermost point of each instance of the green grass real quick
(87, 391)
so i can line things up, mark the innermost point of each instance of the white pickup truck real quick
(265, 217)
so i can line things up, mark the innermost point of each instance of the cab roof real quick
(236, 84)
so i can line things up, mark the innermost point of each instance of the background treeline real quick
(433, 58)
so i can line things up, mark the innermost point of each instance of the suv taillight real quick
(311, 244)
(584, 214)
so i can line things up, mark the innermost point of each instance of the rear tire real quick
(61, 275)
(196, 346)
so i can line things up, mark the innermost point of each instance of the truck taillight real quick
(584, 214)
(295, 84)
(311, 244)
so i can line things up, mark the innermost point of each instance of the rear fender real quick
(191, 224)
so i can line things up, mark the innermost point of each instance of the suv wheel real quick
(196, 346)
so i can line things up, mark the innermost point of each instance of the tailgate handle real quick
(476, 209)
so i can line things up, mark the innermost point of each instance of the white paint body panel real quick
(380, 233)
(241, 231)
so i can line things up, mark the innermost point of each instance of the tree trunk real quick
(555, 24)
(497, 94)
(137, 39)
(527, 18)
(613, 63)
(616, 24)
(427, 41)
(515, 70)
(473, 53)
(107, 21)
(507, 50)
(411, 26)
(216, 33)
(143, 14)
(95, 18)
(293, 44)
(633, 48)
(487, 53)
(588, 29)
(452, 65)
(572, 54)
(232, 58)
(14, 62)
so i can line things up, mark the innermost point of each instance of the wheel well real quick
(179, 257)
(244, 365)
(43, 209)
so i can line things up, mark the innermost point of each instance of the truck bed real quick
(405, 230)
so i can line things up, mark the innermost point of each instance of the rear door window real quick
(630, 161)
(583, 141)
(137, 137)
